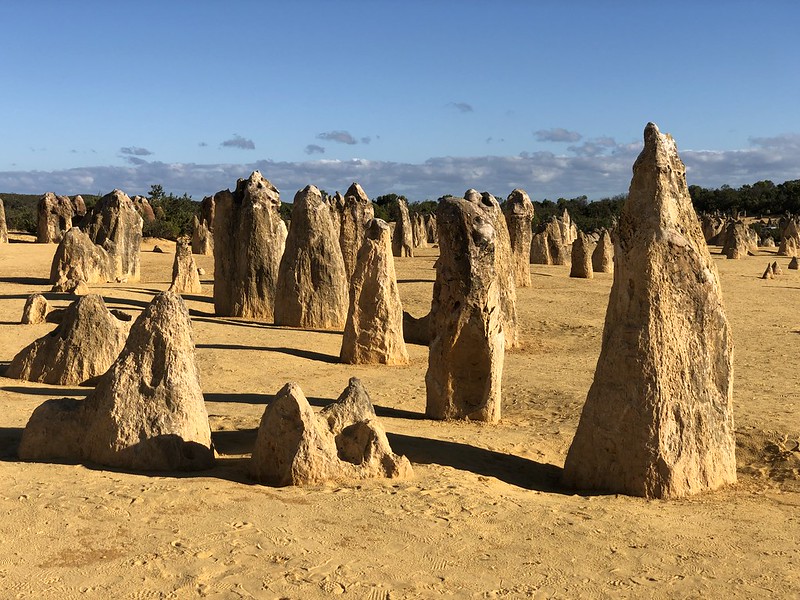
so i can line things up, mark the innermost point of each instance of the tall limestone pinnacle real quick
(658, 419)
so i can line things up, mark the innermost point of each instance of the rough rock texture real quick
(790, 242)
(713, 225)
(776, 269)
(115, 225)
(373, 333)
(356, 212)
(737, 242)
(430, 227)
(35, 310)
(503, 265)
(794, 264)
(582, 249)
(548, 246)
(142, 206)
(83, 346)
(3, 226)
(569, 231)
(658, 418)
(78, 207)
(54, 217)
(70, 285)
(403, 235)
(417, 330)
(420, 232)
(296, 447)
(80, 259)
(768, 273)
(603, 255)
(248, 240)
(768, 242)
(185, 279)
(203, 228)
(312, 285)
(518, 211)
(146, 412)
(465, 361)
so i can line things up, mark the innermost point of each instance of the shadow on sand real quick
(309, 354)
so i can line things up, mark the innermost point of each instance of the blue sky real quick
(417, 98)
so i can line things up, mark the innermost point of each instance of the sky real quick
(420, 98)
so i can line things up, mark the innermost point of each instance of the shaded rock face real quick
(465, 360)
(776, 269)
(417, 330)
(790, 242)
(548, 246)
(713, 226)
(312, 285)
(373, 333)
(3, 225)
(582, 249)
(146, 412)
(346, 441)
(420, 232)
(54, 217)
(83, 346)
(603, 254)
(249, 237)
(768, 242)
(794, 264)
(78, 207)
(185, 279)
(78, 258)
(768, 273)
(503, 265)
(142, 206)
(115, 225)
(35, 310)
(430, 228)
(737, 241)
(356, 212)
(658, 418)
(403, 235)
(203, 228)
(518, 211)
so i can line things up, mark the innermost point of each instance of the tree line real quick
(174, 213)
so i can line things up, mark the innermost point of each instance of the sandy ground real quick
(484, 516)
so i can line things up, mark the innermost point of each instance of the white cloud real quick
(542, 174)
(557, 134)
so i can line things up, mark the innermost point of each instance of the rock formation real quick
(794, 264)
(203, 228)
(403, 236)
(737, 242)
(548, 246)
(713, 225)
(54, 217)
(83, 346)
(3, 226)
(776, 269)
(420, 231)
(658, 418)
(582, 249)
(603, 255)
(518, 212)
(35, 310)
(185, 279)
(503, 265)
(356, 212)
(569, 231)
(373, 333)
(768, 273)
(312, 284)
(430, 227)
(78, 208)
(142, 206)
(768, 242)
(115, 225)
(790, 242)
(79, 259)
(248, 240)
(465, 361)
(296, 447)
(146, 412)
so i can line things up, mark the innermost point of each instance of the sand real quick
(484, 516)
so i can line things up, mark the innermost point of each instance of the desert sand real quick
(484, 516)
